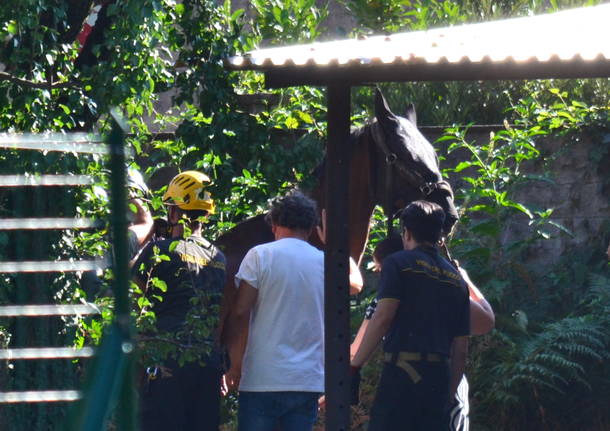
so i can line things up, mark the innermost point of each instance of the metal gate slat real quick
(74, 143)
(46, 353)
(50, 137)
(51, 266)
(48, 310)
(107, 383)
(44, 180)
(47, 223)
(39, 396)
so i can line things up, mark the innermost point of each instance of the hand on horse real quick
(321, 228)
(355, 277)
(231, 380)
(224, 389)
(322, 402)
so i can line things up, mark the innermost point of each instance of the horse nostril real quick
(391, 158)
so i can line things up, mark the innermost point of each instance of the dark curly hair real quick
(294, 210)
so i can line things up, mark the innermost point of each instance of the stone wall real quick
(579, 194)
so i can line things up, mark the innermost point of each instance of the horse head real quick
(407, 166)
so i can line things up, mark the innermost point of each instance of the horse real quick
(391, 164)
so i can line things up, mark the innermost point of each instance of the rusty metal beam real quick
(336, 261)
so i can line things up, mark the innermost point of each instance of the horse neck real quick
(360, 193)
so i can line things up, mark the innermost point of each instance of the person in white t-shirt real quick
(278, 364)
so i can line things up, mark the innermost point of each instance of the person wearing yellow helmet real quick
(187, 311)
(187, 191)
(187, 198)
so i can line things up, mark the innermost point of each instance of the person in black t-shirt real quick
(481, 322)
(183, 277)
(423, 308)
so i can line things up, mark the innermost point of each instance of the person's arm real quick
(238, 331)
(355, 277)
(368, 314)
(353, 348)
(482, 317)
(143, 223)
(457, 364)
(378, 326)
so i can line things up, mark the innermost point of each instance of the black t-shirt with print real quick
(193, 271)
(434, 305)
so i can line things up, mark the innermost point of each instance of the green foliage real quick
(493, 175)
(289, 21)
(391, 16)
(256, 149)
(146, 49)
(534, 372)
(543, 346)
(59, 92)
(541, 369)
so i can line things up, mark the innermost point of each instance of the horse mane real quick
(356, 134)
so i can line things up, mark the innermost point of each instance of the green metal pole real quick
(127, 406)
(110, 376)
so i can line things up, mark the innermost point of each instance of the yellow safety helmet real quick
(187, 191)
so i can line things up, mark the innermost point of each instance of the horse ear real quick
(411, 115)
(382, 111)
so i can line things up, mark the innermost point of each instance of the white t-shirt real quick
(285, 350)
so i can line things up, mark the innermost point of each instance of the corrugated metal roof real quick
(493, 50)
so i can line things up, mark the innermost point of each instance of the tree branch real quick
(31, 84)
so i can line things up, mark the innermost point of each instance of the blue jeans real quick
(263, 411)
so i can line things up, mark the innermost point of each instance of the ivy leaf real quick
(159, 284)
(462, 165)
(11, 27)
(173, 245)
(521, 208)
(291, 123)
(305, 117)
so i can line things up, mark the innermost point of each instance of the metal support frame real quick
(110, 382)
(336, 261)
(127, 397)
(290, 76)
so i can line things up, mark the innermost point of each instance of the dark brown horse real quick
(391, 165)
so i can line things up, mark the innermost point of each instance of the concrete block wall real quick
(579, 194)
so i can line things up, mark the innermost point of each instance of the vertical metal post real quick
(126, 406)
(336, 260)
(110, 381)
(118, 203)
